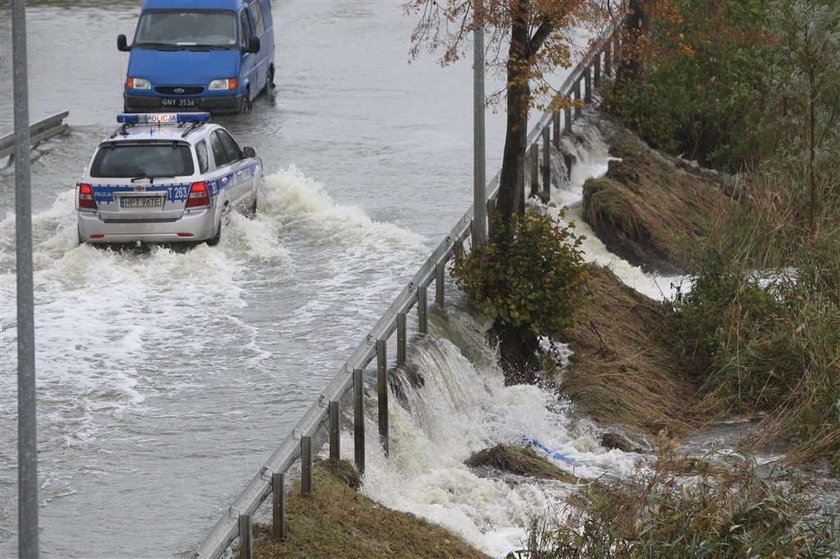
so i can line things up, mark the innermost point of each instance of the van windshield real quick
(146, 160)
(186, 29)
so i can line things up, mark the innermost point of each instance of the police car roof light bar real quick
(162, 118)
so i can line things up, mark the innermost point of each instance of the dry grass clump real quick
(647, 204)
(728, 512)
(520, 461)
(337, 521)
(623, 369)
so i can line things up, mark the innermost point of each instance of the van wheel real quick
(269, 78)
(245, 105)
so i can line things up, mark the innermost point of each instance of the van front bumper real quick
(155, 104)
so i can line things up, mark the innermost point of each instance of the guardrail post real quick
(246, 548)
(335, 432)
(555, 121)
(382, 391)
(278, 506)
(597, 69)
(607, 58)
(440, 279)
(577, 98)
(306, 465)
(359, 419)
(422, 319)
(535, 170)
(567, 121)
(402, 338)
(546, 169)
(587, 82)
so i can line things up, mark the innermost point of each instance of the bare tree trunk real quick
(512, 179)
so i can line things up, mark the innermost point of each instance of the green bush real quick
(532, 277)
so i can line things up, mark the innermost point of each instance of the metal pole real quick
(401, 339)
(597, 69)
(359, 419)
(546, 167)
(479, 169)
(278, 506)
(335, 432)
(246, 548)
(577, 98)
(556, 122)
(27, 432)
(422, 320)
(567, 121)
(440, 279)
(587, 81)
(534, 154)
(306, 465)
(382, 391)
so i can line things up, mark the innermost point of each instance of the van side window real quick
(229, 144)
(201, 154)
(246, 28)
(219, 154)
(259, 28)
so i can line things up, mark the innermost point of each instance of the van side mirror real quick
(253, 45)
(249, 151)
(122, 43)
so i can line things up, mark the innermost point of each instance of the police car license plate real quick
(177, 102)
(141, 202)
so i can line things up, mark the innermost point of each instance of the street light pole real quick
(479, 169)
(27, 435)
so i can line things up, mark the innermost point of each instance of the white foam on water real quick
(460, 410)
(592, 162)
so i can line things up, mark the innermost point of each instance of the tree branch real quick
(539, 37)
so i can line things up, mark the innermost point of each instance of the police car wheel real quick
(217, 237)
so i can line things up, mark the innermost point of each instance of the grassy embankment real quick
(759, 333)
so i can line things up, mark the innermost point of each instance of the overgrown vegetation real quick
(696, 510)
(531, 280)
(754, 87)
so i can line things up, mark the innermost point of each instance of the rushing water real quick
(166, 377)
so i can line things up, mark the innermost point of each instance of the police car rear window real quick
(124, 160)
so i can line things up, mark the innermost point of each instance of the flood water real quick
(165, 378)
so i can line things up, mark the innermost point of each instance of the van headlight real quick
(137, 83)
(227, 84)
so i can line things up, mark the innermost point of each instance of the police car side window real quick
(258, 20)
(201, 153)
(246, 28)
(231, 149)
(219, 154)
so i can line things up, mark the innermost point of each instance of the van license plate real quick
(177, 102)
(141, 202)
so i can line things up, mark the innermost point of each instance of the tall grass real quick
(760, 330)
(701, 511)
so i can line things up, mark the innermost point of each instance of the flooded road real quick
(166, 378)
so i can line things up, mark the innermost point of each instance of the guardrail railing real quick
(326, 411)
(38, 132)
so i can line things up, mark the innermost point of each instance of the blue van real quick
(202, 55)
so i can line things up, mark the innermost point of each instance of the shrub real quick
(532, 276)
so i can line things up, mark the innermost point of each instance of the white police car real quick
(165, 177)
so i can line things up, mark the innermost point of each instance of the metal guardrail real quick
(236, 522)
(38, 132)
